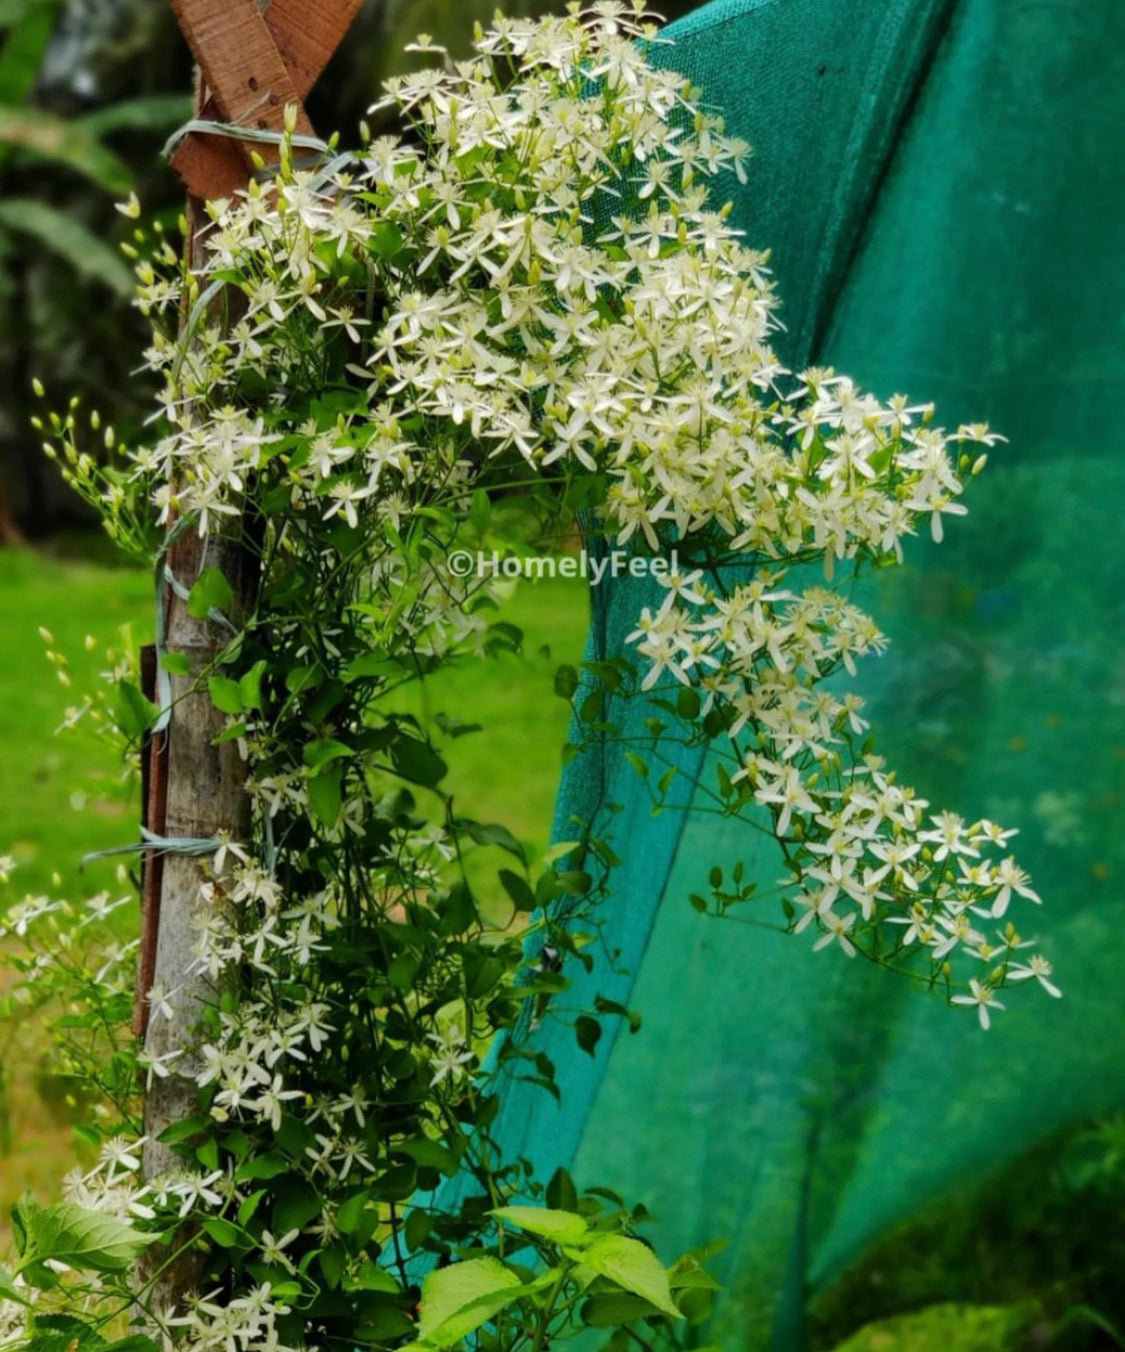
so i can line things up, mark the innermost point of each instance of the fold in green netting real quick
(940, 184)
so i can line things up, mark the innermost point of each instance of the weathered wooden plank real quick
(209, 167)
(242, 67)
(306, 35)
(247, 80)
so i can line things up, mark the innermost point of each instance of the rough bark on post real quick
(203, 797)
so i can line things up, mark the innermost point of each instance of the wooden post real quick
(252, 65)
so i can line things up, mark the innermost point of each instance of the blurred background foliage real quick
(1033, 1258)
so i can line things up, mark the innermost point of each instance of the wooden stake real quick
(195, 789)
(154, 798)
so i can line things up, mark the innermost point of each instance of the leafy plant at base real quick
(533, 297)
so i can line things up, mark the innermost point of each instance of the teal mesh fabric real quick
(940, 185)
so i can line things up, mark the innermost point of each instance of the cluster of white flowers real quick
(220, 1323)
(536, 293)
(862, 849)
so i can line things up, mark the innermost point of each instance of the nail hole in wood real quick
(252, 83)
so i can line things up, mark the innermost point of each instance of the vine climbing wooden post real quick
(253, 62)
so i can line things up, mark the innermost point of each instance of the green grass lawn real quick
(61, 796)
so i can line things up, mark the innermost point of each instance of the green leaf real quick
(88, 1240)
(638, 763)
(371, 665)
(561, 1193)
(480, 511)
(371, 1277)
(262, 1167)
(460, 1298)
(134, 714)
(250, 685)
(482, 972)
(323, 751)
(574, 882)
(211, 592)
(225, 1233)
(19, 1230)
(612, 1308)
(300, 679)
(588, 1031)
(299, 1205)
(136, 1342)
(186, 1129)
(523, 898)
(632, 1266)
(382, 1326)
(417, 762)
(225, 694)
(63, 141)
(504, 637)
(688, 704)
(325, 795)
(696, 1303)
(386, 240)
(418, 1225)
(566, 682)
(429, 1154)
(491, 834)
(453, 727)
(248, 1208)
(332, 1263)
(561, 1227)
(32, 24)
(350, 1213)
(176, 664)
(66, 236)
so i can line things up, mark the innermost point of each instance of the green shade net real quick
(940, 184)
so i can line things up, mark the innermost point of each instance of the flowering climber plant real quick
(529, 294)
